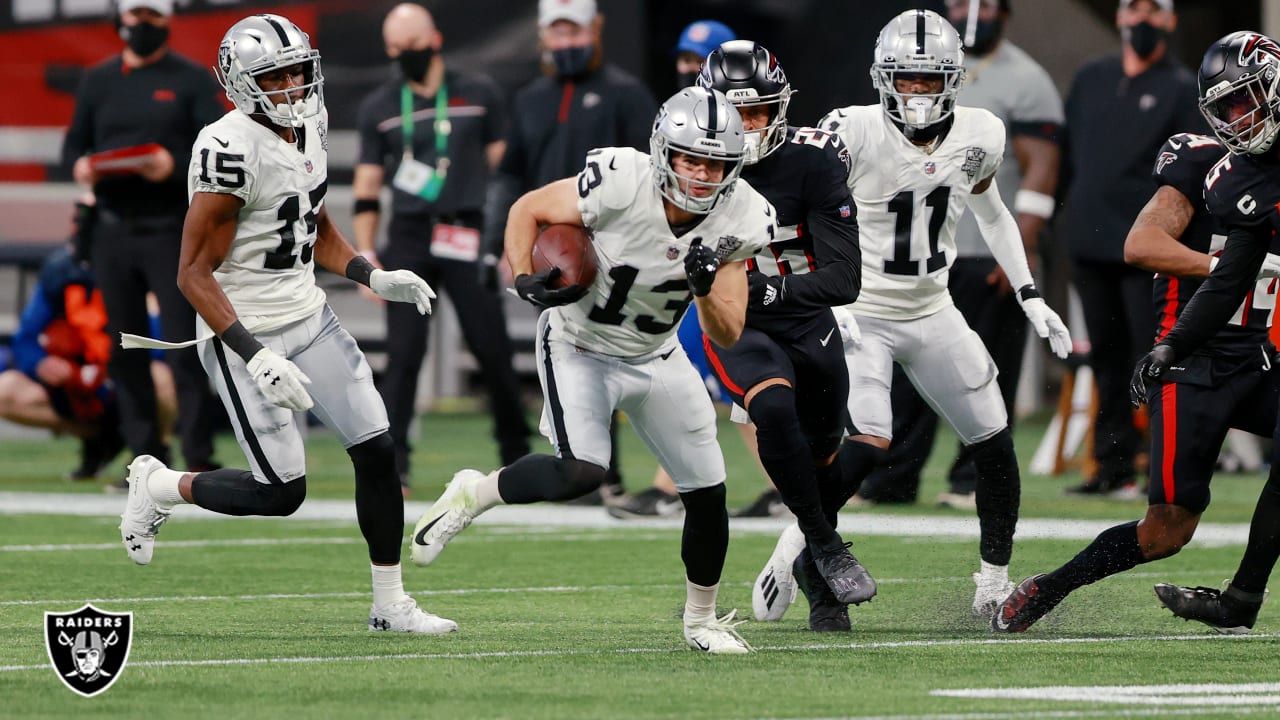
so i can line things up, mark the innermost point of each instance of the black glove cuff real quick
(359, 269)
(241, 341)
(1027, 292)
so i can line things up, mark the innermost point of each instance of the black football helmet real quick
(749, 75)
(1240, 91)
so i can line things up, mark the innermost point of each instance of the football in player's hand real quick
(567, 247)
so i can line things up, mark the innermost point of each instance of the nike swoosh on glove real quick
(280, 380)
(1151, 367)
(402, 286)
(1048, 325)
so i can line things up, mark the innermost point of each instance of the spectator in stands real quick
(434, 134)
(60, 354)
(136, 117)
(1119, 111)
(1004, 79)
(580, 103)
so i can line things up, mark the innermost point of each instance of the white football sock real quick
(700, 601)
(995, 572)
(487, 491)
(162, 486)
(388, 587)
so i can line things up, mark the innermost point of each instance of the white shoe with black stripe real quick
(448, 516)
(775, 587)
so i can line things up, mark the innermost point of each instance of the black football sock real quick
(786, 457)
(997, 496)
(236, 492)
(1264, 540)
(1115, 550)
(535, 478)
(853, 464)
(379, 499)
(706, 534)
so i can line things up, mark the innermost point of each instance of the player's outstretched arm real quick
(723, 311)
(1152, 243)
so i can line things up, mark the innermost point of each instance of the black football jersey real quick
(1242, 191)
(805, 180)
(1184, 162)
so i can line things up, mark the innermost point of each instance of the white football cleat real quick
(142, 517)
(717, 636)
(404, 615)
(448, 516)
(775, 586)
(990, 593)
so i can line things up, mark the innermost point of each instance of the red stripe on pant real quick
(1169, 440)
(719, 368)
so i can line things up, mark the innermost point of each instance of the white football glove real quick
(850, 333)
(1270, 267)
(280, 380)
(402, 286)
(1048, 325)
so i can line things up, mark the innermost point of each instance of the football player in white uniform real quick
(668, 228)
(255, 229)
(918, 161)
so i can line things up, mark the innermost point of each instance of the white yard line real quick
(1054, 714)
(1198, 694)
(673, 648)
(560, 516)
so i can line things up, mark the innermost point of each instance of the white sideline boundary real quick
(669, 649)
(595, 518)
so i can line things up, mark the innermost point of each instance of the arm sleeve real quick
(79, 140)
(832, 222)
(37, 315)
(1000, 231)
(1221, 294)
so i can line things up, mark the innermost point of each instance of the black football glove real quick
(536, 289)
(700, 267)
(764, 291)
(1150, 369)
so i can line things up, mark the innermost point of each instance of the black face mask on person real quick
(686, 79)
(1144, 38)
(985, 37)
(144, 38)
(414, 63)
(572, 61)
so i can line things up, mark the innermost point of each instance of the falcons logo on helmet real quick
(1259, 49)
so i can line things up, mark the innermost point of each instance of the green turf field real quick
(265, 618)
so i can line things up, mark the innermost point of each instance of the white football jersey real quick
(640, 293)
(269, 272)
(909, 202)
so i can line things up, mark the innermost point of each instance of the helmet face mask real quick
(1240, 92)
(918, 43)
(262, 44)
(750, 76)
(698, 123)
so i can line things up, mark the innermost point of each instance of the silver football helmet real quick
(918, 42)
(698, 122)
(262, 43)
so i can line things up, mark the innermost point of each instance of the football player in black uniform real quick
(788, 370)
(1211, 369)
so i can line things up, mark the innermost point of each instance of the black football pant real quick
(1001, 324)
(131, 256)
(484, 328)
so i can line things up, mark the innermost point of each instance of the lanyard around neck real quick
(442, 125)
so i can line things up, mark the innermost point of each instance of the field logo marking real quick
(88, 648)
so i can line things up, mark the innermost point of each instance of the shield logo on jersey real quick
(1163, 161)
(673, 252)
(309, 166)
(930, 168)
(88, 647)
(973, 158)
(726, 247)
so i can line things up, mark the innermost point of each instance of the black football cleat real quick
(1024, 607)
(846, 577)
(1218, 610)
(826, 613)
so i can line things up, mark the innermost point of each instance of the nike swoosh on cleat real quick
(221, 142)
(827, 339)
(420, 538)
(704, 648)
